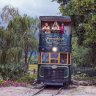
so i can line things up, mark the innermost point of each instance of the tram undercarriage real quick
(52, 74)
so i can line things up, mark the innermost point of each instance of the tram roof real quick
(56, 18)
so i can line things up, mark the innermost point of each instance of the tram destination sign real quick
(55, 40)
(61, 41)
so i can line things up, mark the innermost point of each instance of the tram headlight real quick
(54, 49)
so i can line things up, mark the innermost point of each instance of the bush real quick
(80, 76)
(8, 83)
(1, 81)
(11, 71)
(27, 78)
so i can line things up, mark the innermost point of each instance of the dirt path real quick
(22, 91)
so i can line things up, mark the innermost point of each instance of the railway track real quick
(58, 92)
(41, 91)
(38, 91)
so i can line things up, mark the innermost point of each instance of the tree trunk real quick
(30, 56)
(26, 61)
(3, 57)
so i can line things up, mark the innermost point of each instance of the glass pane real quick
(54, 61)
(63, 58)
(45, 58)
(54, 55)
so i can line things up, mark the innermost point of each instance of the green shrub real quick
(1, 81)
(11, 71)
(80, 76)
(27, 78)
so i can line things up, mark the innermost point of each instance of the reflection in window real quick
(54, 55)
(63, 58)
(54, 61)
(45, 58)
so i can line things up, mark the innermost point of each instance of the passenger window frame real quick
(52, 58)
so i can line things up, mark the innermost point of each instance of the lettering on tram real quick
(54, 60)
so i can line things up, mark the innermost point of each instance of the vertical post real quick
(59, 57)
(49, 57)
(67, 57)
(70, 58)
(41, 57)
(38, 58)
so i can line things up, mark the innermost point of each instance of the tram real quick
(54, 57)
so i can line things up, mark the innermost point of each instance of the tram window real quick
(63, 58)
(54, 61)
(45, 58)
(46, 28)
(67, 30)
(54, 55)
(55, 26)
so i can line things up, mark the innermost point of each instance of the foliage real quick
(34, 60)
(62, 2)
(8, 83)
(83, 14)
(23, 81)
(25, 36)
(28, 78)
(1, 81)
(82, 11)
(80, 76)
(8, 13)
(33, 66)
(81, 55)
(77, 7)
(11, 71)
(84, 76)
(17, 42)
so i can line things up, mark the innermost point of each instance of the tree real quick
(83, 14)
(17, 40)
(8, 13)
(62, 2)
(21, 27)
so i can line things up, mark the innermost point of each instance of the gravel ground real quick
(23, 91)
(16, 91)
(80, 91)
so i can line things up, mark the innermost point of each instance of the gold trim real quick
(40, 57)
(49, 53)
(49, 57)
(59, 57)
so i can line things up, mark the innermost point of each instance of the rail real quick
(42, 89)
(58, 92)
(38, 91)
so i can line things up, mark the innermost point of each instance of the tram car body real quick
(54, 59)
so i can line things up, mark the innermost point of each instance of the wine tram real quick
(54, 60)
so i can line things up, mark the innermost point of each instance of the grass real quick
(33, 66)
